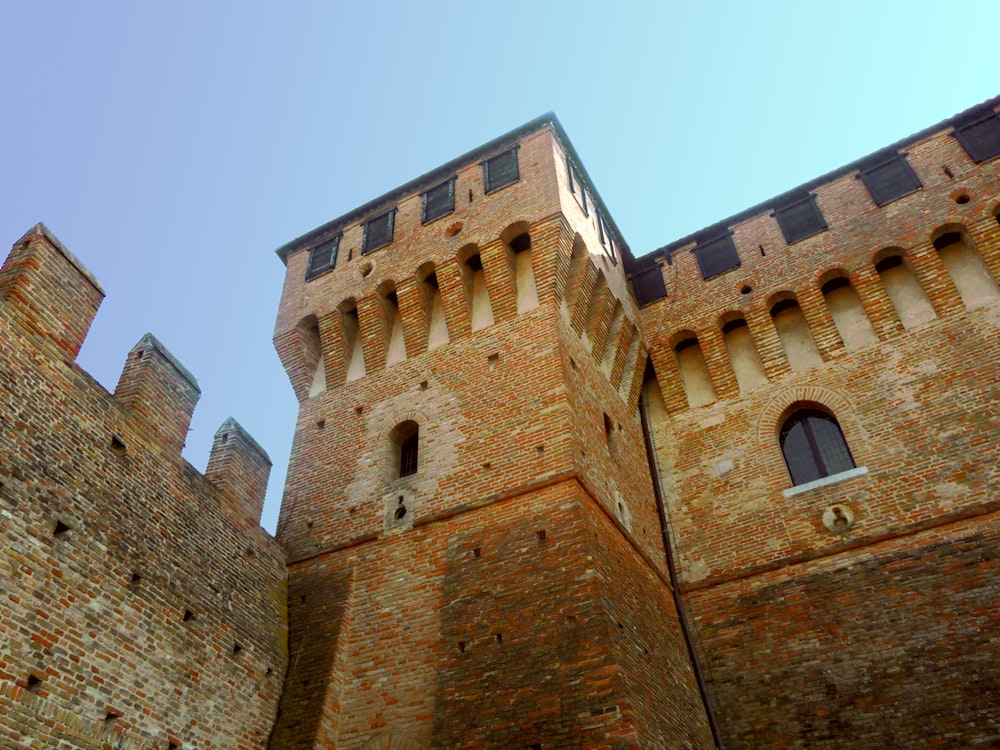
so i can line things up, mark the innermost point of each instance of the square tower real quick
(475, 550)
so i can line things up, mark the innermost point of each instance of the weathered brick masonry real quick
(542, 493)
(142, 604)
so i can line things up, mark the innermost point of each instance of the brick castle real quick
(738, 492)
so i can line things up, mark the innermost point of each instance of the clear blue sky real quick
(173, 146)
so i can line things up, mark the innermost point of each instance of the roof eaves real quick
(971, 114)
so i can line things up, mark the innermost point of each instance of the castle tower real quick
(475, 554)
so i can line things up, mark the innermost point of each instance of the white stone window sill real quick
(832, 479)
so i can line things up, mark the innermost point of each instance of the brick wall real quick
(815, 637)
(479, 616)
(138, 610)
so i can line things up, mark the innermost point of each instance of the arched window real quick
(814, 446)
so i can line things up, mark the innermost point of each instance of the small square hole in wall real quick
(117, 443)
(541, 535)
(33, 684)
(477, 552)
(358, 410)
(493, 358)
(423, 385)
(237, 649)
(111, 719)
(320, 424)
(171, 745)
(188, 615)
(61, 529)
(135, 579)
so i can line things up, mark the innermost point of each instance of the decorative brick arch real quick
(515, 228)
(392, 418)
(392, 741)
(830, 273)
(774, 413)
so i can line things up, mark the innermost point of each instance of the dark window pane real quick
(890, 180)
(798, 455)
(814, 446)
(648, 285)
(439, 200)
(500, 171)
(833, 452)
(717, 256)
(378, 232)
(800, 219)
(323, 257)
(408, 456)
(981, 140)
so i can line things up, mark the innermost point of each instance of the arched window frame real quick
(816, 451)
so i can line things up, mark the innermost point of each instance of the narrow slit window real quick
(322, 257)
(438, 201)
(408, 455)
(501, 170)
(378, 231)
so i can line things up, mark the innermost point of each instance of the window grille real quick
(408, 456)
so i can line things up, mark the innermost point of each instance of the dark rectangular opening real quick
(717, 255)
(648, 285)
(378, 231)
(980, 139)
(501, 170)
(439, 201)
(890, 179)
(322, 257)
(799, 219)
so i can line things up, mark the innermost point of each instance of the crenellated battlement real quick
(144, 595)
(54, 296)
(158, 391)
(239, 467)
(715, 495)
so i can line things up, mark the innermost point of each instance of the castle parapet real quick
(159, 391)
(239, 468)
(54, 296)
